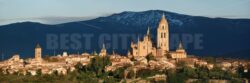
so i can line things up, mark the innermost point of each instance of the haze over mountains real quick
(221, 37)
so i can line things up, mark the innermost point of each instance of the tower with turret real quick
(163, 35)
(38, 52)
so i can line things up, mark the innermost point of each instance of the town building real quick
(179, 53)
(103, 51)
(38, 53)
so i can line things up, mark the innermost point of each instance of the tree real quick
(211, 60)
(119, 73)
(216, 73)
(172, 78)
(39, 72)
(131, 74)
(190, 72)
(240, 71)
(150, 57)
(181, 64)
(202, 72)
(110, 79)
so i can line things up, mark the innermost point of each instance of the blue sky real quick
(51, 11)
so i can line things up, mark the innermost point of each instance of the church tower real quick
(163, 35)
(103, 51)
(38, 52)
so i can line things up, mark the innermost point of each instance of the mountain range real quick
(221, 37)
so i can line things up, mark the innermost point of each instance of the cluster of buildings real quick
(146, 46)
(139, 57)
(33, 66)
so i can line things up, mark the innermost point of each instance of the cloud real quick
(46, 20)
(59, 20)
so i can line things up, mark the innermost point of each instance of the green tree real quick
(131, 74)
(150, 57)
(190, 72)
(211, 60)
(39, 72)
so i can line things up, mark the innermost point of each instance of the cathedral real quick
(145, 46)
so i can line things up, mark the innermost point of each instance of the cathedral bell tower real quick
(163, 35)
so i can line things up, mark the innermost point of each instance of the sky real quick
(59, 11)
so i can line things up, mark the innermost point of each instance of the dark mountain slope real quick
(220, 36)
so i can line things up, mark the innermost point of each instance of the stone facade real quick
(145, 47)
(163, 35)
(179, 53)
(38, 53)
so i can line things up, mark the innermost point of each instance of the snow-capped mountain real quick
(144, 19)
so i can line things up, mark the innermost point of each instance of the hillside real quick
(220, 36)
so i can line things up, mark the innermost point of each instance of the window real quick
(162, 27)
(161, 35)
(164, 35)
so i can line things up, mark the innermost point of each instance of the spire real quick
(138, 39)
(180, 46)
(94, 53)
(132, 42)
(163, 15)
(113, 52)
(129, 53)
(148, 31)
(38, 45)
(103, 46)
(163, 19)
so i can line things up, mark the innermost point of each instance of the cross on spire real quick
(138, 39)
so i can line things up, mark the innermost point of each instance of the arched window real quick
(162, 27)
(161, 35)
(164, 35)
